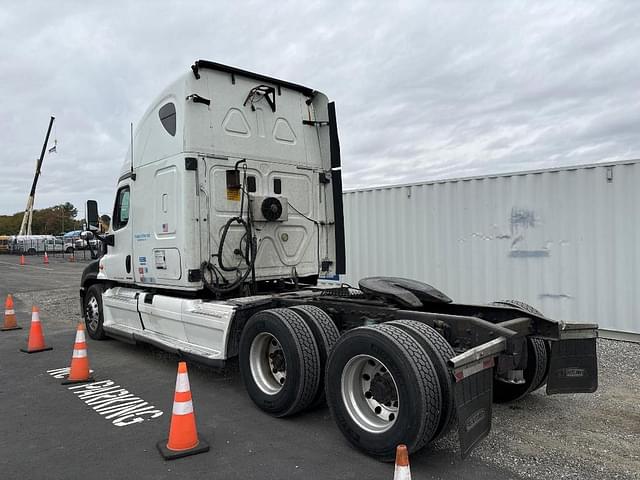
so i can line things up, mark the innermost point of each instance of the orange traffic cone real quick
(36, 337)
(402, 470)
(183, 437)
(22, 260)
(9, 315)
(46, 258)
(79, 372)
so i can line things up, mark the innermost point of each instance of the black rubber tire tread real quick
(542, 370)
(306, 354)
(543, 381)
(94, 290)
(421, 372)
(535, 346)
(432, 389)
(440, 353)
(326, 335)
(547, 345)
(518, 304)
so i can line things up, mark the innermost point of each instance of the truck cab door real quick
(117, 263)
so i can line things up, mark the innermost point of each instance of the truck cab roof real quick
(186, 116)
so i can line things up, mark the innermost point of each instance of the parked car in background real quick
(4, 243)
(32, 244)
(82, 244)
(57, 244)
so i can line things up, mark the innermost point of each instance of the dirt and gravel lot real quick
(47, 433)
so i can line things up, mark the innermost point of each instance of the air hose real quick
(248, 255)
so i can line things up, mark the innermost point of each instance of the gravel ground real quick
(59, 308)
(579, 436)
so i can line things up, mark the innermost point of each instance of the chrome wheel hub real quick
(370, 394)
(93, 314)
(267, 363)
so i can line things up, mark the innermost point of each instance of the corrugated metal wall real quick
(562, 240)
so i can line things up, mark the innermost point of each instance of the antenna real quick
(131, 147)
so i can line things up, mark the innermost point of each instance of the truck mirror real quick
(92, 215)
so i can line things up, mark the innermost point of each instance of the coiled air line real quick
(249, 254)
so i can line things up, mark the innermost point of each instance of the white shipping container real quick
(563, 240)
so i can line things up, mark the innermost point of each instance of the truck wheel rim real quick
(267, 363)
(93, 313)
(370, 394)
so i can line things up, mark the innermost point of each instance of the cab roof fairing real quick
(151, 142)
(149, 125)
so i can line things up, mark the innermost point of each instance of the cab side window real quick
(121, 209)
(167, 114)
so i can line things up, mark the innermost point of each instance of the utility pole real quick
(25, 228)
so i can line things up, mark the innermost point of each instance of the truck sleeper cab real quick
(229, 209)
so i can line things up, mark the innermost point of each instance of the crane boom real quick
(25, 228)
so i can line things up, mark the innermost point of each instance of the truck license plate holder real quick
(574, 366)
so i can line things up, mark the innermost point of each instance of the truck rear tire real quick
(93, 312)
(279, 362)
(382, 390)
(538, 360)
(326, 334)
(440, 352)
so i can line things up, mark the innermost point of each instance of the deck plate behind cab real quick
(408, 293)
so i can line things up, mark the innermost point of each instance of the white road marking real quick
(111, 401)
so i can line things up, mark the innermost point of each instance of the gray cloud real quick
(424, 90)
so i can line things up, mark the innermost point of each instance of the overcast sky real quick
(423, 90)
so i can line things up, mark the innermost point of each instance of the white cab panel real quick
(192, 326)
(206, 324)
(162, 314)
(165, 202)
(121, 308)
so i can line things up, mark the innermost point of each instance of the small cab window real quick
(167, 116)
(121, 210)
(251, 183)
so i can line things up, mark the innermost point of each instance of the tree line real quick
(46, 221)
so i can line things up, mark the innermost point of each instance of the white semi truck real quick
(228, 210)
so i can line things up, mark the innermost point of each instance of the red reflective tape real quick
(469, 370)
(488, 363)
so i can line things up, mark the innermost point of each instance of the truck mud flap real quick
(473, 392)
(573, 367)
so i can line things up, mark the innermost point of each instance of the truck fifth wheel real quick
(228, 211)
